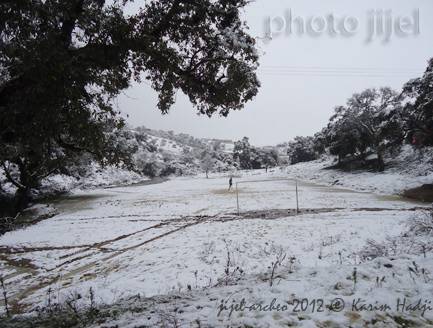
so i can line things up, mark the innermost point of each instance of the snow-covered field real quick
(410, 169)
(181, 246)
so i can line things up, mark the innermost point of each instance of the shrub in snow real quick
(422, 226)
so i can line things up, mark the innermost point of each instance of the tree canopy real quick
(417, 113)
(362, 124)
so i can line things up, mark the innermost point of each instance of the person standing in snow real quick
(230, 183)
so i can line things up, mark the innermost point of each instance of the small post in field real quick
(297, 199)
(237, 197)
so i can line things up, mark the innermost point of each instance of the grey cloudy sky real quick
(303, 77)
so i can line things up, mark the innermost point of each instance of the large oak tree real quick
(63, 62)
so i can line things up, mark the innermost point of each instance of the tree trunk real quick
(22, 195)
(380, 162)
(22, 199)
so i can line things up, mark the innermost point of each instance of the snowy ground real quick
(183, 237)
(410, 169)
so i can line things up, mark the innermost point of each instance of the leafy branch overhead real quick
(199, 47)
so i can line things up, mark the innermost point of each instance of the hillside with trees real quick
(150, 154)
(373, 125)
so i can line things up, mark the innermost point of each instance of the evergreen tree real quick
(242, 153)
(301, 149)
(362, 126)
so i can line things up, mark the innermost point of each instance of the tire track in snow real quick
(16, 298)
(250, 215)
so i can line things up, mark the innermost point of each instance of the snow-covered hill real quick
(155, 154)
(410, 168)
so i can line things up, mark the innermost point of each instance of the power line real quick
(333, 73)
(337, 75)
(337, 72)
(331, 68)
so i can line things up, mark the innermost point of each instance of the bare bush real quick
(417, 239)
(422, 225)
(7, 223)
(373, 250)
(168, 320)
(232, 272)
(278, 262)
(281, 265)
(207, 255)
(5, 296)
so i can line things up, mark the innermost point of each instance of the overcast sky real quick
(303, 77)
